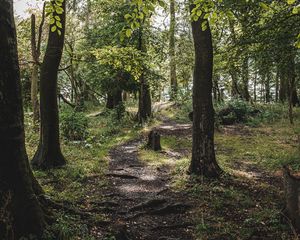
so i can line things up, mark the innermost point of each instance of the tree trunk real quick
(277, 86)
(255, 87)
(110, 101)
(36, 52)
(49, 153)
(245, 78)
(22, 214)
(283, 85)
(267, 86)
(292, 196)
(203, 152)
(173, 77)
(235, 93)
(144, 111)
(34, 92)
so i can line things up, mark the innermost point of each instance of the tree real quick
(36, 52)
(203, 151)
(173, 77)
(21, 214)
(49, 152)
(144, 111)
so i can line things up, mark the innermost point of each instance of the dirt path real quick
(140, 201)
(144, 206)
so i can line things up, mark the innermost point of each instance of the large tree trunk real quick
(203, 152)
(18, 202)
(173, 77)
(144, 111)
(49, 152)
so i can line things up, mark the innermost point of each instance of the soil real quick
(146, 207)
(140, 203)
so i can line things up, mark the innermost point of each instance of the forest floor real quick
(122, 190)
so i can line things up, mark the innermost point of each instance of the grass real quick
(84, 175)
(238, 206)
(235, 207)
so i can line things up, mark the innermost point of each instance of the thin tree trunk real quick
(173, 77)
(203, 152)
(17, 185)
(34, 92)
(277, 86)
(267, 86)
(49, 153)
(255, 87)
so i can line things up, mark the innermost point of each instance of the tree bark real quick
(49, 153)
(203, 152)
(245, 78)
(255, 87)
(277, 86)
(267, 86)
(18, 201)
(172, 53)
(144, 111)
(283, 85)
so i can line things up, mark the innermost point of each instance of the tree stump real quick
(154, 141)
(292, 196)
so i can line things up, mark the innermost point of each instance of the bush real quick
(235, 111)
(74, 125)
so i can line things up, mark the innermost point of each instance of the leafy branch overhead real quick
(122, 58)
(141, 10)
(54, 10)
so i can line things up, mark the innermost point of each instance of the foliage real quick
(121, 58)
(54, 10)
(74, 125)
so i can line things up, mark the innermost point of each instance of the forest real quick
(149, 119)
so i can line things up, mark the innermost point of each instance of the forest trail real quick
(145, 205)
(141, 203)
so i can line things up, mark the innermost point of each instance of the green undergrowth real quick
(83, 177)
(238, 206)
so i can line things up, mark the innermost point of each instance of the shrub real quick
(235, 111)
(74, 125)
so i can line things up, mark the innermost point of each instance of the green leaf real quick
(53, 28)
(128, 32)
(58, 24)
(291, 1)
(58, 32)
(52, 21)
(264, 6)
(295, 10)
(59, 10)
(127, 16)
